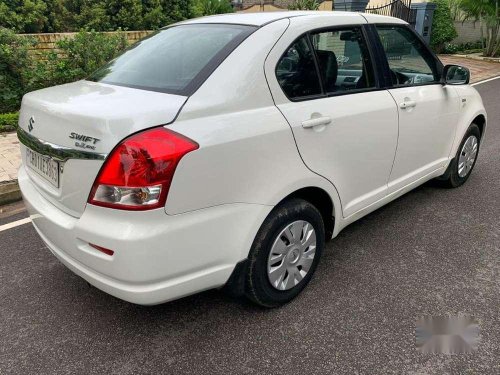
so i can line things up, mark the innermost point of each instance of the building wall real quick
(47, 42)
(468, 31)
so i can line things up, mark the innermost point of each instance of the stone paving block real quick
(10, 157)
(480, 70)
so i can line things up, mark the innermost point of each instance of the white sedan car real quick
(225, 151)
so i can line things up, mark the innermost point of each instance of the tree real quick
(211, 7)
(304, 5)
(92, 16)
(34, 16)
(154, 15)
(488, 13)
(443, 29)
(8, 18)
(14, 61)
(177, 10)
(125, 14)
(58, 17)
(27, 16)
(455, 9)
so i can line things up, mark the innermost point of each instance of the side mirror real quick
(455, 75)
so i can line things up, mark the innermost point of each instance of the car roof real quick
(263, 18)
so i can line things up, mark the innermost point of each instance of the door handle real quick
(408, 104)
(316, 122)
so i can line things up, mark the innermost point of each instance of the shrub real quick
(304, 5)
(75, 58)
(14, 62)
(32, 16)
(469, 47)
(87, 51)
(28, 16)
(443, 29)
(211, 7)
(8, 121)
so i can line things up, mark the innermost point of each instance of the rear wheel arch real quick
(323, 202)
(316, 196)
(319, 197)
(282, 260)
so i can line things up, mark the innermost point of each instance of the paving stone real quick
(480, 70)
(10, 157)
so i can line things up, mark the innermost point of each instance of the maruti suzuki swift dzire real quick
(224, 151)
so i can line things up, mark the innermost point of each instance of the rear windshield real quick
(176, 60)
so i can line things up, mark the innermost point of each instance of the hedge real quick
(74, 59)
(8, 121)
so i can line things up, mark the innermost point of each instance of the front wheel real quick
(461, 166)
(285, 253)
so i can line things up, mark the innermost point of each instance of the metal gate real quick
(396, 8)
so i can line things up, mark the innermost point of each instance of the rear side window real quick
(343, 60)
(296, 71)
(410, 61)
(326, 63)
(175, 60)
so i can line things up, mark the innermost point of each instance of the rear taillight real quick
(138, 172)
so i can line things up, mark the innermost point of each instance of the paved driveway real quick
(432, 251)
(480, 70)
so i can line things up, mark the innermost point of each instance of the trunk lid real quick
(83, 121)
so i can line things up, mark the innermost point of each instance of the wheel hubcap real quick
(291, 255)
(467, 156)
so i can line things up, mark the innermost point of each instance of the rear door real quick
(428, 110)
(345, 126)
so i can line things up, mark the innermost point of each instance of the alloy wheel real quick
(467, 156)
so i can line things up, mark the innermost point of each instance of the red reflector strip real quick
(103, 250)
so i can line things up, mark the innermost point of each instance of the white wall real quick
(468, 31)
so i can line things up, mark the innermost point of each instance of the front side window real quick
(296, 71)
(343, 60)
(409, 60)
(175, 60)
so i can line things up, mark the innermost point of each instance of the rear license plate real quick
(44, 166)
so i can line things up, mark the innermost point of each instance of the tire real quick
(456, 175)
(284, 246)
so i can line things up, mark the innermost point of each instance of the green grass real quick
(8, 121)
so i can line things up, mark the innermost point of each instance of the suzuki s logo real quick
(31, 123)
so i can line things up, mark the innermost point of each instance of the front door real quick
(428, 110)
(346, 128)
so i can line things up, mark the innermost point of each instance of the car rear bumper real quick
(156, 257)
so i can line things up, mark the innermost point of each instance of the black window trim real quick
(205, 72)
(316, 62)
(385, 62)
(367, 39)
